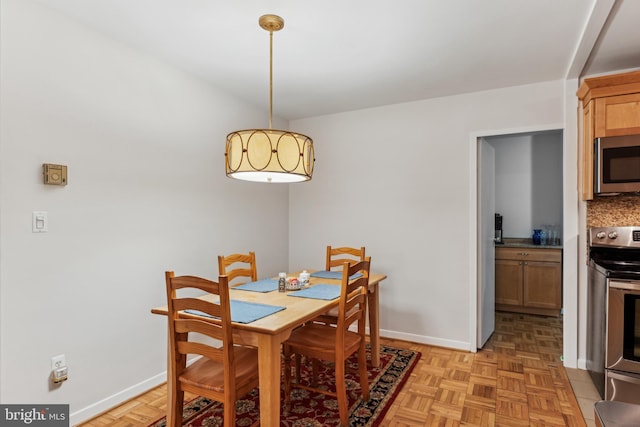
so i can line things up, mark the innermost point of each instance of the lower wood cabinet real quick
(529, 280)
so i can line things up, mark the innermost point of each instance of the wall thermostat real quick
(54, 174)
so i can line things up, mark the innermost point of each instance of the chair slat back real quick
(184, 327)
(238, 266)
(336, 257)
(353, 297)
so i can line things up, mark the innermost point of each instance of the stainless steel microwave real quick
(617, 164)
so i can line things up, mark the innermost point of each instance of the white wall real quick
(144, 144)
(574, 299)
(514, 178)
(396, 179)
(547, 191)
(528, 181)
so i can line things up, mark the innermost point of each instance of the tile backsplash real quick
(610, 211)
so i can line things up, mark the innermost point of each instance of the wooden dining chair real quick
(224, 373)
(333, 343)
(238, 266)
(336, 257)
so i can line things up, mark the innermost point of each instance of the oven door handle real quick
(629, 285)
(629, 378)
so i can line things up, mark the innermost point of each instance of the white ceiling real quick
(618, 47)
(339, 55)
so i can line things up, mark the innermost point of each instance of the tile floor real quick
(585, 392)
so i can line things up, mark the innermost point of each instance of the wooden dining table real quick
(268, 334)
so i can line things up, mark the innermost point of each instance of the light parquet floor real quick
(517, 379)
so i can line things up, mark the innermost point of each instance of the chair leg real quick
(230, 412)
(287, 377)
(298, 364)
(178, 403)
(362, 367)
(341, 393)
(314, 372)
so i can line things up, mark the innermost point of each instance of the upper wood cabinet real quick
(618, 115)
(610, 106)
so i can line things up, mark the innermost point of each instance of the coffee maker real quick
(498, 227)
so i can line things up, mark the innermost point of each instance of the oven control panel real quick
(621, 237)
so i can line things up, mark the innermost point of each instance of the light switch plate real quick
(39, 222)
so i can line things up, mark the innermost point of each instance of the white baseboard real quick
(422, 339)
(114, 400)
(582, 364)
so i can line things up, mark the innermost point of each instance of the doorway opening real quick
(520, 177)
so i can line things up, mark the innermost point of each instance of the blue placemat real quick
(337, 275)
(264, 285)
(246, 312)
(318, 291)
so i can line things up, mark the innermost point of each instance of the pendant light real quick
(269, 155)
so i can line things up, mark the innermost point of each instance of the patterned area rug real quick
(309, 409)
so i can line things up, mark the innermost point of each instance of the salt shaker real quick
(282, 282)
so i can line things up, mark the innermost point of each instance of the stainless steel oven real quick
(613, 349)
(596, 325)
(623, 338)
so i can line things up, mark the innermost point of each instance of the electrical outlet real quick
(59, 370)
(59, 375)
(58, 362)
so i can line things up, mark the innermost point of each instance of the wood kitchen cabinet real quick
(529, 280)
(609, 106)
(617, 115)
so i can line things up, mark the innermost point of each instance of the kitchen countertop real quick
(511, 242)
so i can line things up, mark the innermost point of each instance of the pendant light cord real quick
(270, 77)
